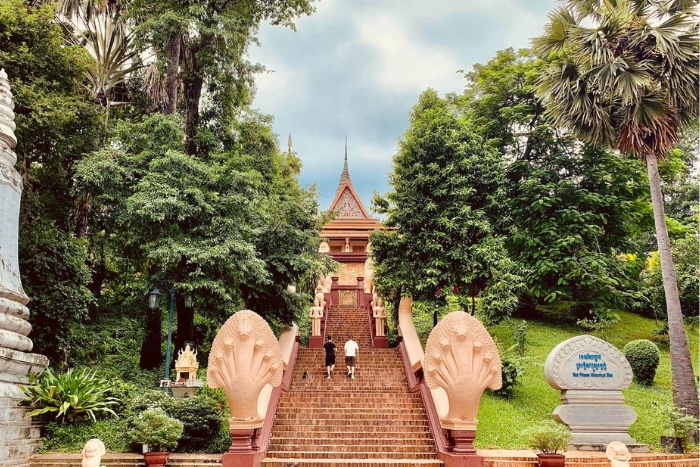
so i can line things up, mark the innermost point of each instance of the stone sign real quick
(590, 373)
(586, 362)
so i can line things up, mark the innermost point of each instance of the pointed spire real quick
(289, 144)
(345, 176)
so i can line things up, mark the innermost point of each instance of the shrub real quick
(71, 438)
(156, 429)
(643, 356)
(202, 419)
(511, 369)
(548, 437)
(684, 427)
(71, 395)
(201, 415)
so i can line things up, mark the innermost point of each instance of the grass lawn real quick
(501, 422)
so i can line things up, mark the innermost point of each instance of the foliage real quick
(232, 228)
(548, 437)
(71, 438)
(643, 356)
(156, 429)
(683, 426)
(201, 415)
(686, 259)
(624, 75)
(565, 215)
(446, 187)
(202, 420)
(70, 396)
(511, 369)
(520, 337)
(56, 125)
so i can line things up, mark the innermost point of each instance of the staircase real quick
(340, 422)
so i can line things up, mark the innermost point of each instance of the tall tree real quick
(56, 125)
(447, 186)
(202, 47)
(624, 73)
(566, 218)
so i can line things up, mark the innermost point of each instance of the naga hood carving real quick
(245, 356)
(462, 358)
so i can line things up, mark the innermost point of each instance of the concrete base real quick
(19, 436)
(316, 342)
(242, 459)
(381, 342)
(456, 460)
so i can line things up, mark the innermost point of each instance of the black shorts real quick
(330, 360)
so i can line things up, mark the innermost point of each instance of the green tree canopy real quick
(447, 186)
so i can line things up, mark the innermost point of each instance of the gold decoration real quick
(349, 272)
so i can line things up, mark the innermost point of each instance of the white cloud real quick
(405, 63)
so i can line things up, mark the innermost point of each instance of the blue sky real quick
(356, 67)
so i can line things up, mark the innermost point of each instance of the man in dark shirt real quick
(330, 356)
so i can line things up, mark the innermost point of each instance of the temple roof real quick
(353, 218)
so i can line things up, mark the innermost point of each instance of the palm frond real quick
(555, 32)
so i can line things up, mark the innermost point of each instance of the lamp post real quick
(153, 303)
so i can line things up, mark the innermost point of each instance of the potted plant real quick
(549, 439)
(160, 432)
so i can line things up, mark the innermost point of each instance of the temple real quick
(347, 236)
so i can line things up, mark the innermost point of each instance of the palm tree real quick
(624, 73)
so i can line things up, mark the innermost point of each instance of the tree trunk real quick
(193, 93)
(685, 394)
(185, 324)
(151, 356)
(172, 78)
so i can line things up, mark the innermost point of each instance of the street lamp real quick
(154, 299)
(153, 302)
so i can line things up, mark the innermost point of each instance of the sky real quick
(356, 67)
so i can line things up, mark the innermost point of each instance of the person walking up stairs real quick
(372, 420)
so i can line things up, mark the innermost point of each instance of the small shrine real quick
(186, 382)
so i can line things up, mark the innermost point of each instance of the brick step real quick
(340, 416)
(364, 410)
(383, 430)
(355, 439)
(287, 462)
(357, 423)
(356, 450)
(340, 397)
(357, 453)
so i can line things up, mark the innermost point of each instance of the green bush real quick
(156, 429)
(202, 419)
(71, 395)
(72, 438)
(511, 369)
(683, 426)
(201, 415)
(548, 437)
(643, 356)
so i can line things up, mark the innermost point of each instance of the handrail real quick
(417, 384)
(262, 439)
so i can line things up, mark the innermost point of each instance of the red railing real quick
(262, 439)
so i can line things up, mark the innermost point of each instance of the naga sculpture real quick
(245, 356)
(462, 358)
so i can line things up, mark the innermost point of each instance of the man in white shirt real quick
(351, 349)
